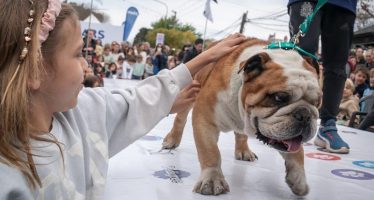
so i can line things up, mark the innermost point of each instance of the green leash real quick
(303, 28)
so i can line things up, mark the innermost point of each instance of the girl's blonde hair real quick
(16, 131)
(350, 85)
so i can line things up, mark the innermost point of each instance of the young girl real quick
(348, 104)
(53, 145)
(138, 70)
(148, 67)
(368, 91)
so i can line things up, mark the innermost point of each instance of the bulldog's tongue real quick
(293, 144)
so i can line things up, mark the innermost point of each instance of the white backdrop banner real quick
(105, 32)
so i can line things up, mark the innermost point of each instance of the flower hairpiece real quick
(49, 19)
(47, 25)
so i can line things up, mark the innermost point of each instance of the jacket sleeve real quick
(125, 115)
(13, 184)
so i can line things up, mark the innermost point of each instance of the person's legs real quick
(298, 11)
(336, 31)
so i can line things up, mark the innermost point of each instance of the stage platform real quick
(141, 172)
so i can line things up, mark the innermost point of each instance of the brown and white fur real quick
(252, 90)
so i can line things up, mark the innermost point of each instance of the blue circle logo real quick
(174, 175)
(352, 174)
(364, 163)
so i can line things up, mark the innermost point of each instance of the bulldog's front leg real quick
(211, 181)
(242, 151)
(173, 138)
(295, 172)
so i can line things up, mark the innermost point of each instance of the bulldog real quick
(272, 93)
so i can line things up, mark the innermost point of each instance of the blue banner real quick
(131, 15)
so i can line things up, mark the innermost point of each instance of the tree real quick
(173, 37)
(365, 16)
(176, 33)
(84, 11)
(141, 36)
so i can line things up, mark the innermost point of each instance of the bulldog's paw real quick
(211, 182)
(171, 141)
(246, 155)
(297, 182)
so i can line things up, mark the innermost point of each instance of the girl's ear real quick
(33, 84)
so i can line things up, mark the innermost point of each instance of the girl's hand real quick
(186, 97)
(214, 53)
(224, 46)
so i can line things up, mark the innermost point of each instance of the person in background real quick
(128, 67)
(91, 81)
(99, 50)
(369, 56)
(89, 43)
(88, 71)
(183, 51)
(148, 67)
(361, 75)
(348, 104)
(351, 63)
(116, 51)
(138, 71)
(368, 91)
(107, 57)
(194, 51)
(99, 71)
(334, 23)
(360, 56)
(171, 62)
(112, 71)
(160, 59)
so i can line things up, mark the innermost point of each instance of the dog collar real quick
(291, 46)
(303, 28)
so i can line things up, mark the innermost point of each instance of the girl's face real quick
(99, 69)
(347, 90)
(89, 71)
(353, 60)
(149, 60)
(65, 77)
(112, 67)
(360, 78)
(116, 48)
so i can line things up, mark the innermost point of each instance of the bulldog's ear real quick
(254, 65)
(313, 63)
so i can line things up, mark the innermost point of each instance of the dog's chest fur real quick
(229, 111)
(228, 108)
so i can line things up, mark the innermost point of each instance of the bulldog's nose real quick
(302, 115)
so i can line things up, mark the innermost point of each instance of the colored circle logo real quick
(174, 175)
(352, 174)
(364, 163)
(151, 138)
(322, 156)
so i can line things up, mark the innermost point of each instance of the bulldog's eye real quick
(281, 97)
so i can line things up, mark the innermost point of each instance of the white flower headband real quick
(47, 25)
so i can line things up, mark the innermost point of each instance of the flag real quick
(131, 15)
(207, 12)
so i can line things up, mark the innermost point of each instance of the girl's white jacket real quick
(103, 123)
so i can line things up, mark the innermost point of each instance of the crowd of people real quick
(359, 85)
(126, 61)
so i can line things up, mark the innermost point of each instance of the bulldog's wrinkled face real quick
(280, 96)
